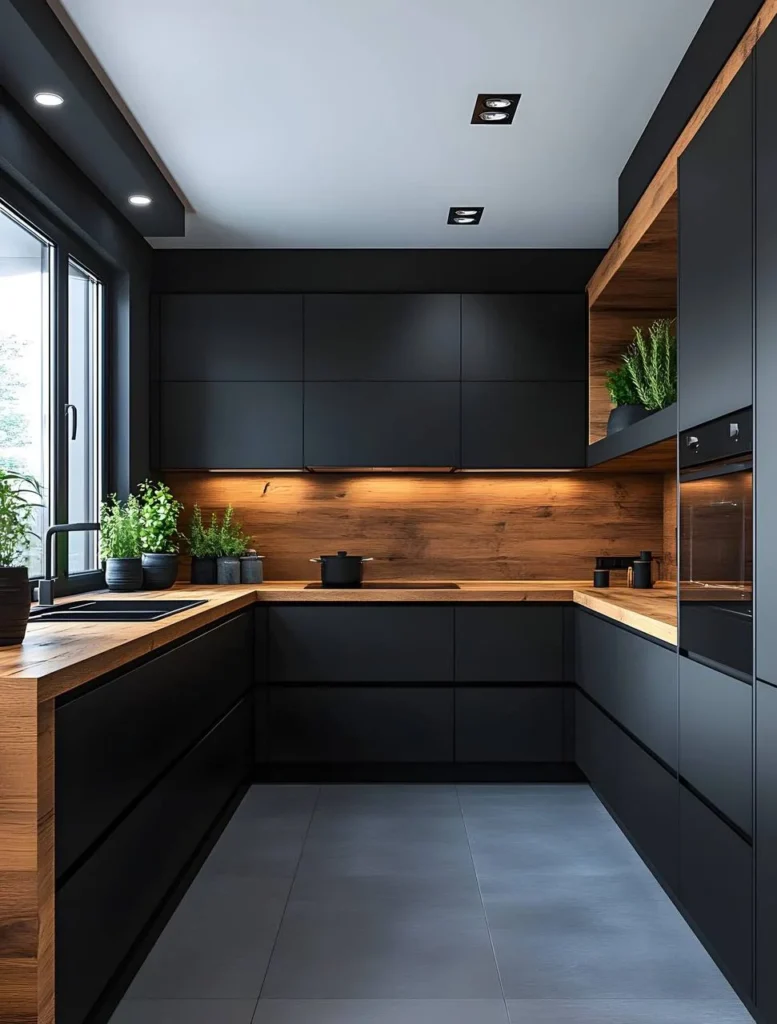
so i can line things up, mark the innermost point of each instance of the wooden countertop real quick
(57, 657)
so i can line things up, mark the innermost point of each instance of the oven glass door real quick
(716, 566)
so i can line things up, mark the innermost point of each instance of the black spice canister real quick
(643, 571)
(601, 577)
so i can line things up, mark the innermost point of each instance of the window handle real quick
(74, 428)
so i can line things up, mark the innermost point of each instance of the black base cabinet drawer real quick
(716, 740)
(633, 679)
(639, 791)
(115, 740)
(716, 887)
(508, 724)
(105, 906)
(361, 644)
(334, 725)
(509, 644)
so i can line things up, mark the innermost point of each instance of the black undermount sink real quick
(111, 611)
(388, 586)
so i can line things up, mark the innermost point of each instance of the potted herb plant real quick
(204, 545)
(120, 543)
(623, 395)
(647, 380)
(16, 511)
(158, 513)
(232, 544)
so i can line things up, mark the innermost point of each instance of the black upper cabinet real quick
(231, 337)
(382, 424)
(523, 337)
(715, 327)
(382, 337)
(231, 425)
(520, 425)
(766, 359)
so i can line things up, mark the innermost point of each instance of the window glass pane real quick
(25, 347)
(83, 433)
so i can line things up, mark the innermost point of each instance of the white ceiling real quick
(345, 123)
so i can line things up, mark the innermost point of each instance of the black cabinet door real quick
(715, 272)
(361, 724)
(382, 337)
(509, 644)
(523, 337)
(361, 643)
(766, 850)
(116, 739)
(716, 887)
(766, 358)
(504, 724)
(638, 790)
(516, 425)
(235, 425)
(382, 424)
(633, 679)
(231, 337)
(716, 739)
(103, 909)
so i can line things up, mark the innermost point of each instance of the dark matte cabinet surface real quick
(355, 724)
(231, 425)
(632, 678)
(509, 644)
(365, 424)
(382, 337)
(231, 337)
(766, 850)
(523, 337)
(716, 886)
(507, 724)
(716, 739)
(527, 425)
(715, 272)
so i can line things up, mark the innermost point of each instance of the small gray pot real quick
(251, 569)
(14, 604)
(159, 571)
(123, 574)
(203, 570)
(227, 570)
(623, 416)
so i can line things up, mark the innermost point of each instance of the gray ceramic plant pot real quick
(203, 570)
(227, 570)
(14, 604)
(159, 571)
(123, 574)
(251, 569)
(624, 416)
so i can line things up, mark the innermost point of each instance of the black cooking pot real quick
(341, 570)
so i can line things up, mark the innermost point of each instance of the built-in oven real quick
(715, 550)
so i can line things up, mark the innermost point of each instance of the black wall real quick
(725, 24)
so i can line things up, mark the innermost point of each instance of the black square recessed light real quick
(465, 214)
(495, 107)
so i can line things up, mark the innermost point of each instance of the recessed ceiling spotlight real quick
(48, 99)
(465, 214)
(139, 200)
(495, 107)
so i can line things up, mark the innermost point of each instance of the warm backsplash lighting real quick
(451, 526)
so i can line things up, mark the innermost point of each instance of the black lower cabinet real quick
(639, 791)
(106, 905)
(361, 724)
(766, 850)
(509, 643)
(716, 888)
(507, 724)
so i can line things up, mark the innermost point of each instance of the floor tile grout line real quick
(288, 898)
(483, 905)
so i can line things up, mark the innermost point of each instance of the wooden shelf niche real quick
(630, 289)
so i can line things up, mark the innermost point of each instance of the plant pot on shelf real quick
(624, 416)
(14, 604)
(203, 570)
(123, 575)
(251, 570)
(227, 570)
(159, 570)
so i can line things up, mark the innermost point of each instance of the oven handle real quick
(713, 469)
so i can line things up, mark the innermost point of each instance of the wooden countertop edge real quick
(53, 681)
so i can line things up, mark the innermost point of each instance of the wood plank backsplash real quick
(463, 526)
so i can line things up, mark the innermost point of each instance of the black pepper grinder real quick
(643, 571)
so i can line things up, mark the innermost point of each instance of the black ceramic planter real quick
(14, 604)
(251, 569)
(123, 574)
(624, 416)
(227, 570)
(159, 571)
(203, 571)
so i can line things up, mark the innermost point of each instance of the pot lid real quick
(341, 554)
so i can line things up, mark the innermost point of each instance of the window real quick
(51, 384)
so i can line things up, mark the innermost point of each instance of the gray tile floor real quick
(426, 905)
